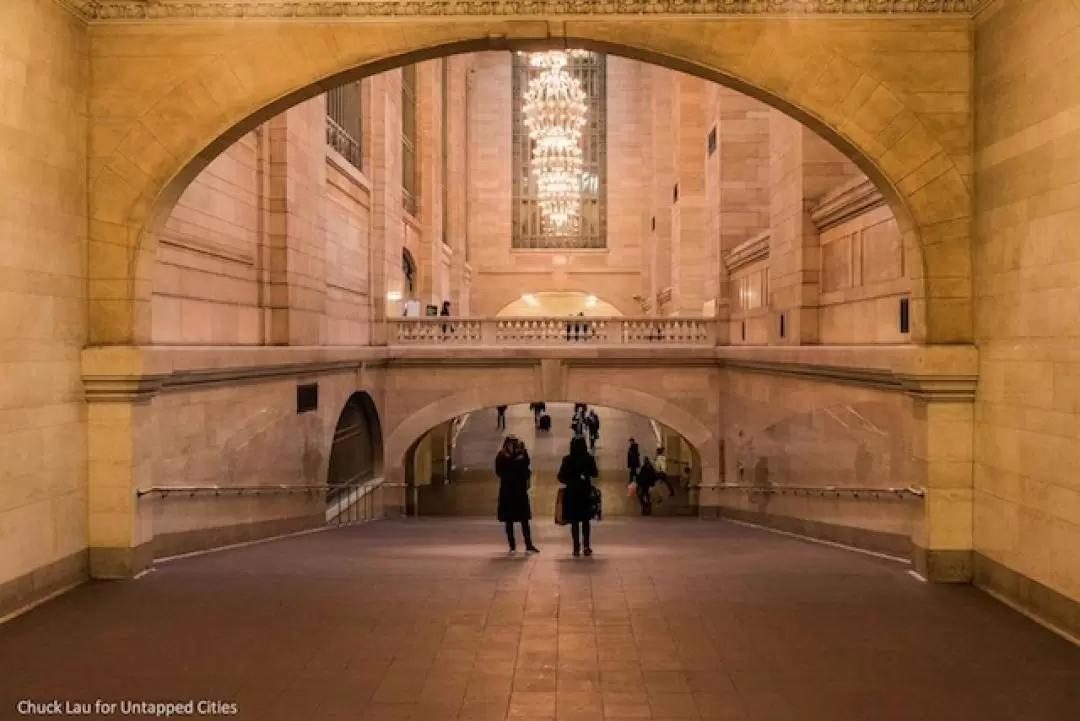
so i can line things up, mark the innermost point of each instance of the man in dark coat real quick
(633, 460)
(513, 467)
(576, 473)
(646, 479)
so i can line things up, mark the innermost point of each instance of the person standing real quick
(646, 479)
(576, 473)
(592, 422)
(633, 460)
(500, 418)
(445, 313)
(513, 467)
(661, 470)
(538, 409)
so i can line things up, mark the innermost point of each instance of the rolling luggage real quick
(545, 422)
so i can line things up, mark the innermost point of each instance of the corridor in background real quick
(473, 488)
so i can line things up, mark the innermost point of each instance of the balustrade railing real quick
(553, 331)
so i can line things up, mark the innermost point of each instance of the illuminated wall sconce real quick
(393, 296)
(590, 302)
(559, 260)
(531, 300)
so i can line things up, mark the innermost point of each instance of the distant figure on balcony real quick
(578, 330)
(512, 466)
(445, 313)
(576, 473)
(500, 418)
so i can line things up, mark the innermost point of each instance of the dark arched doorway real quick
(356, 453)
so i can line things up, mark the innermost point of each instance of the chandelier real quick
(555, 112)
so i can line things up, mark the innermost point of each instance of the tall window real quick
(409, 175)
(591, 70)
(343, 122)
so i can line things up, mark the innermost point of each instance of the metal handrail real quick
(256, 490)
(822, 490)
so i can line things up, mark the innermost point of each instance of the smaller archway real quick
(357, 449)
(550, 304)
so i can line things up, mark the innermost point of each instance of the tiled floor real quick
(429, 619)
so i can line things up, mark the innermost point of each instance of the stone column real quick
(943, 414)
(295, 277)
(802, 168)
(737, 184)
(121, 437)
(662, 82)
(457, 177)
(688, 241)
(387, 232)
(429, 167)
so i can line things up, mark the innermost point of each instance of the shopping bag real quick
(558, 507)
(631, 490)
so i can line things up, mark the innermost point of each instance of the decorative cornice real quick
(846, 202)
(940, 388)
(747, 252)
(106, 10)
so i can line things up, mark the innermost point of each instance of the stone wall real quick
(43, 227)
(1027, 493)
(795, 432)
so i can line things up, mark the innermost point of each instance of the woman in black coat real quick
(512, 466)
(576, 473)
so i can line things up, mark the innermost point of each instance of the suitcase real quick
(545, 422)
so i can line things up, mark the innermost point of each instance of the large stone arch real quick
(412, 427)
(893, 94)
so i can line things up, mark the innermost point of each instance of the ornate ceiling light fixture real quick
(555, 113)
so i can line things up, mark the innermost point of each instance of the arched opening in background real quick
(357, 450)
(558, 303)
(450, 468)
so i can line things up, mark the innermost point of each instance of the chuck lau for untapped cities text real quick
(159, 709)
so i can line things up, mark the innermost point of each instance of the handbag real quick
(631, 489)
(559, 520)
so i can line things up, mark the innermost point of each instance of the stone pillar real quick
(688, 241)
(942, 459)
(737, 184)
(295, 291)
(457, 176)
(429, 167)
(387, 231)
(662, 82)
(121, 437)
(803, 167)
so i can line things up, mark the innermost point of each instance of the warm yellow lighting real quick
(531, 300)
(393, 296)
(590, 302)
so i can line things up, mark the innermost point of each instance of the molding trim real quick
(135, 389)
(846, 202)
(136, 10)
(747, 252)
(925, 388)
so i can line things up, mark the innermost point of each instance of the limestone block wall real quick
(240, 435)
(863, 278)
(348, 237)
(1027, 270)
(209, 270)
(795, 432)
(43, 227)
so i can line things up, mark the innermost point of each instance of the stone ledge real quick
(1043, 602)
(846, 202)
(37, 585)
(202, 539)
(893, 544)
